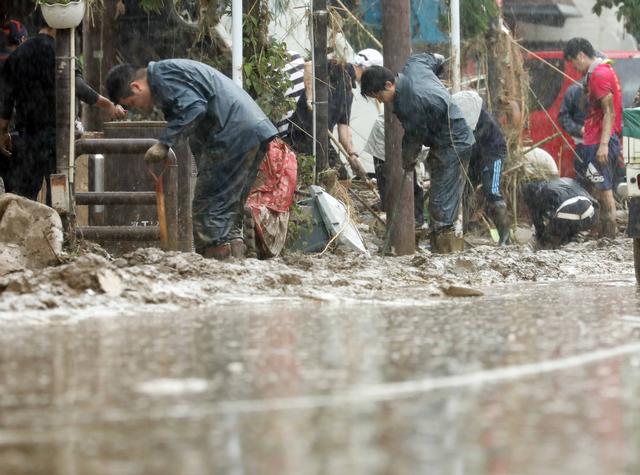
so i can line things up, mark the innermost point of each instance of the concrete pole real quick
(455, 46)
(236, 39)
(321, 86)
(397, 47)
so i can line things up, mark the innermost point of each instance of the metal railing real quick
(132, 233)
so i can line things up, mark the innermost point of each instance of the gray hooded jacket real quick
(198, 100)
(424, 107)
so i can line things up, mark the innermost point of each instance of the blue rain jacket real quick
(200, 101)
(423, 106)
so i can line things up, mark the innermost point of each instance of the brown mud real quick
(149, 279)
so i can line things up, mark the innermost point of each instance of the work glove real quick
(156, 153)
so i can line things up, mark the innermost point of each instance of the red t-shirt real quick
(603, 80)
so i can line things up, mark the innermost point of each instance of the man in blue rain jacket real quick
(423, 106)
(228, 134)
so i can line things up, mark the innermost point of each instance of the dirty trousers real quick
(448, 169)
(35, 160)
(222, 188)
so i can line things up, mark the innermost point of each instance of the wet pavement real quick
(534, 378)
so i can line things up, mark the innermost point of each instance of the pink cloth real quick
(272, 196)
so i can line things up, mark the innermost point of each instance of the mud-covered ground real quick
(150, 278)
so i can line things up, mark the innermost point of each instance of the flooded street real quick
(531, 378)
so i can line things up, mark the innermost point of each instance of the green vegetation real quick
(264, 61)
(629, 10)
(476, 18)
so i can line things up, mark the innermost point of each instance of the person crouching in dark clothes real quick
(559, 208)
(430, 118)
(227, 131)
(485, 166)
(487, 158)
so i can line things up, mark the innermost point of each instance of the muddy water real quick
(529, 379)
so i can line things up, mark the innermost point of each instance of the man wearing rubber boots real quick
(227, 131)
(429, 117)
(487, 158)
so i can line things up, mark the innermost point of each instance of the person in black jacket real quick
(28, 85)
(571, 117)
(488, 157)
(559, 208)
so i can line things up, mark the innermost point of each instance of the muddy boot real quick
(446, 242)
(238, 249)
(608, 226)
(498, 213)
(249, 233)
(220, 253)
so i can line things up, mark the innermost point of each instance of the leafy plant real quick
(306, 170)
(628, 9)
(264, 62)
(477, 18)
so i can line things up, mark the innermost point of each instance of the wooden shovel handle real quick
(160, 206)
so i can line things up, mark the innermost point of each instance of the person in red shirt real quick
(602, 128)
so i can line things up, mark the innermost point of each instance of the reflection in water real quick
(296, 389)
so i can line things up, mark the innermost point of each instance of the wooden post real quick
(397, 47)
(321, 86)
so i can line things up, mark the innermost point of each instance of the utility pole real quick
(397, 47)
(321, 86)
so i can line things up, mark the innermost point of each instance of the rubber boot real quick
(446, 242)
(238, 249)
(220, 253)
(608, 226)
(498, 213)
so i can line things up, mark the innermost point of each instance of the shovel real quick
(162, 213)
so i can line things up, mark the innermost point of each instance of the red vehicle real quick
(548, 88)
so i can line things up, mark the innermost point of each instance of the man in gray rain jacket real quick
(423, 106)
(227, 131)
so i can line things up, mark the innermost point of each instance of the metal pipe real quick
(171, 201)
(116, 198)
(94, 146)
(98, 180)
(455, 45)
(236, 41)
(115, 233)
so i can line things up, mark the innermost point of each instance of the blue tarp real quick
(424, 19)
